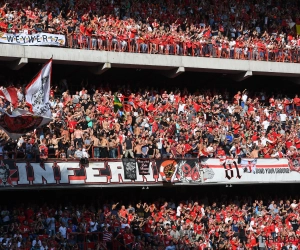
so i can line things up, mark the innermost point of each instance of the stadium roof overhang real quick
(171, 66)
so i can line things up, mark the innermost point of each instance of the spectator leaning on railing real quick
(241, 30)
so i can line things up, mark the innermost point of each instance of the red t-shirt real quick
(72, 126)
(128, 238)
(123, 213)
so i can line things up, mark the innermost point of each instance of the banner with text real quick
(148, 171)
(34, 39)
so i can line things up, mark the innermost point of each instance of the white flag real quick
(38, 91)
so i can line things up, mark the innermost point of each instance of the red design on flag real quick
(21, 122)
(10, 94)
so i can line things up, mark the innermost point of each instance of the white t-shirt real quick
(228, 219)
(85, 153)
(171, 97)
(93, 226)
(63, 231)
(294, 205)
(265, 123)
(264, 141)
(282, 117)
(244, 98)
(35, 241)
(230, 109)
(178, 211)
(181, 108)
(123, 225)
(266, 112)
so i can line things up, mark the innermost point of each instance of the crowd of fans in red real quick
(161, 124)
(255, 30)
(186, 225)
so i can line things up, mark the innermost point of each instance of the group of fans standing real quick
(252, 30)
(239, 224)
(153, 124)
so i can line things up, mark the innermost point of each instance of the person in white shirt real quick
(266, 111)
(244, 99)
(210, 150)
(179, 209)
(181, 107)
(228, 218)
(294, 204)
(85, 153)
(231, 46)
(266, 123)
(18, 235)
(124, 224)
(171, 97)
(63, 230)
(230, 109)
(52, 103)
(283, 117)
(257, 117)
(36, 241)
(159, 144)
(291, 246)
(93, 225)
(264, 140)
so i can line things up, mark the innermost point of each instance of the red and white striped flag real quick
(10, 94)
(38, 91)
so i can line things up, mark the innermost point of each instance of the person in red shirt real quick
(188, 149)
(286, 104)
(123, 213)
(21, 217)
(128, 238)
(237, 98)
(25, 229)
(296, 103)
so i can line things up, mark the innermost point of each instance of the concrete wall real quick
(160, 62)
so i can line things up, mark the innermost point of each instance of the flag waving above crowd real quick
(38, 91)
(117, 103)
(20, 121)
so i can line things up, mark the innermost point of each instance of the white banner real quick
(38, 91)
(34, 39)
(113, 172)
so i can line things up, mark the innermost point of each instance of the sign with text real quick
(33, 39)
(146, 172)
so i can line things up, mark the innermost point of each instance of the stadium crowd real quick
(154, 124)
(248, 29)
(239, 224)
